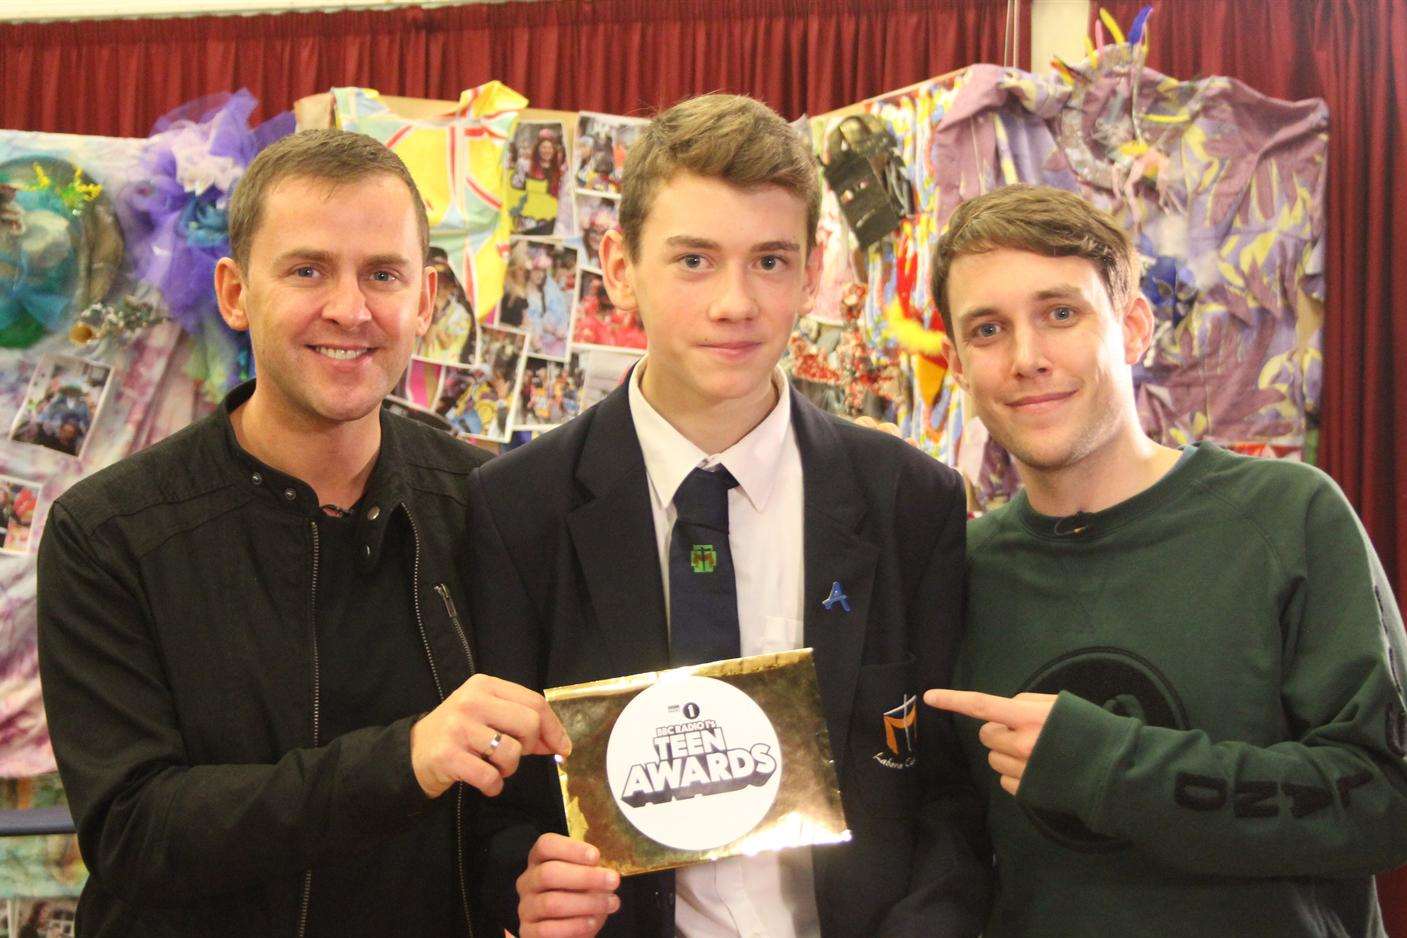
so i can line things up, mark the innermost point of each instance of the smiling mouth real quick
(340, 354)
(1035, 400)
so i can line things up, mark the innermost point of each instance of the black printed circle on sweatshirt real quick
(1122, 683)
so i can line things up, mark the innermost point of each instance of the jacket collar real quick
(613, 533)
(839, 562)
(385, 489)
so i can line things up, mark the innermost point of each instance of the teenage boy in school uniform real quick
(838, 538)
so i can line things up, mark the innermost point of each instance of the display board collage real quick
(554, 344)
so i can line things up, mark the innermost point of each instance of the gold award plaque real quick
(693, 764)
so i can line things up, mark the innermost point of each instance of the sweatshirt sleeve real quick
(1330, 799)
(154, 829)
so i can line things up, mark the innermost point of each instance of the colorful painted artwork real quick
(456, 159)
(1222, 190)
(69, 405)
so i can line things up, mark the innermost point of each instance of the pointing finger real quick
(988, 707)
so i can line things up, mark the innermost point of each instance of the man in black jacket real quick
(262, 698)
(838, 538)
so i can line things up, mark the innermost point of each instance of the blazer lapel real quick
(613, 534)
(840, 566)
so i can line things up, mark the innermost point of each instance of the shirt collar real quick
(754, 460)
(384, 489)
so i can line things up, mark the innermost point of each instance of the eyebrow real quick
(705, 244)
(325, 257)
(1064, 291)
(388, 260)
(302, 254)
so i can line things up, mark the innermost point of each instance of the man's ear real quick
(954, 360)
(230, 293)
(618, 271)
(425, 312)
(1137, 326)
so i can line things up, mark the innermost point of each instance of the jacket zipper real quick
(439, 688)
(443, 590)
(313, 624)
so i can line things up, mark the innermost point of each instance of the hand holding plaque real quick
(699, 763)
(563, 892)
(479, 732)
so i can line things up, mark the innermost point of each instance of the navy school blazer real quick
(566, 587)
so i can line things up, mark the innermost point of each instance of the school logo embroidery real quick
(1120, 682)
(900, 735)
(703, 558)
(693, 763)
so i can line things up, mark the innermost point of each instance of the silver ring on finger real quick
(487, 754)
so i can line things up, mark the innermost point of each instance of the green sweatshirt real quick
(1226, 756)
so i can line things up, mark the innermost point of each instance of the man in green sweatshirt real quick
(1183, 668)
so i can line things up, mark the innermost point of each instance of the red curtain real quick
(620, 56)
(1353, 54)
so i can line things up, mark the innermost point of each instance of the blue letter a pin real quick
(837, 596)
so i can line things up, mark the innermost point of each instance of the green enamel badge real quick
(703, 558)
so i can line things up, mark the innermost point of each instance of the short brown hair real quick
(722, 136)
(335, 156)
(1040, 219)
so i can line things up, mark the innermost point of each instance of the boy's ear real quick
(618, 271)
(813, 278)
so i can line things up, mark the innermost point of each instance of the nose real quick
(1028, 353)
(346, 302)
(735, 300)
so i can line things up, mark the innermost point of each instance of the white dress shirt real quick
(771, 895)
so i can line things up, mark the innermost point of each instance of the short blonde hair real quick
(335, 156)
(1040, 219)
(722, 136)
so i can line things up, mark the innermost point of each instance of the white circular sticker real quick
(693, 763)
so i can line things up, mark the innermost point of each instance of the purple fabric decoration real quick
(195, 155)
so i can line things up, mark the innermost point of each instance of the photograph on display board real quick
(599, 322)
(550, 393)
(598, 214)
(602, 142)
(420, 385)
(593, 228)
(602, 371)
(539, 180)
(538, 290)
(18, 499)
(476, 402)
(43, 918)
(62, 403)
(501, 350)
(453, 333)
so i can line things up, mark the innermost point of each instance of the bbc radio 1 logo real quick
(693, 763)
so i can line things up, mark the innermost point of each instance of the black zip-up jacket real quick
(178, 653)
